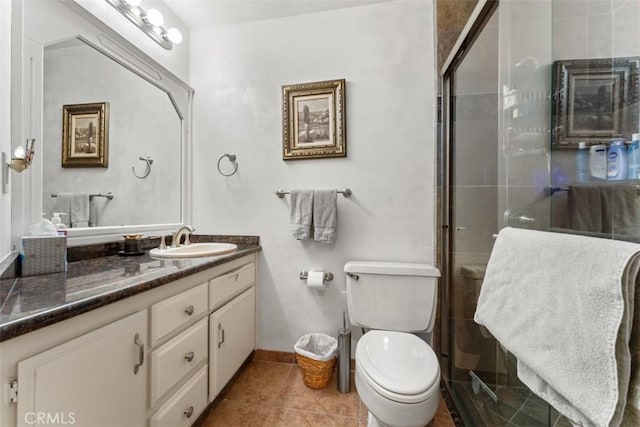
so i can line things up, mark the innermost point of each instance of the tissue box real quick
(44, 254)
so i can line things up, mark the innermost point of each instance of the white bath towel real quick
(301, 213)
(76, 208)
(563, 305)
(325, 215)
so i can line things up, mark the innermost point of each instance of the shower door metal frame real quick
(476, 22)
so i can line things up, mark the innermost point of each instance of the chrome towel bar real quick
(108, 195)
(346, 193)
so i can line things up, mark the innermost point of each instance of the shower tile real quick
(522, 419)
(475, 210)
(537, 408)
(568, 8)
(627, 15)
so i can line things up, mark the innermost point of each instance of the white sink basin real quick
(194, 250)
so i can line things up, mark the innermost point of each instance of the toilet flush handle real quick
(353, 276)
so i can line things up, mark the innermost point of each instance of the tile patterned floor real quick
(273, 394)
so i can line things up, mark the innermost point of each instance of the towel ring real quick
(149, 162)
(232, 159)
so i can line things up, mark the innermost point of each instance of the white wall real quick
(5, 120)
(385, 53)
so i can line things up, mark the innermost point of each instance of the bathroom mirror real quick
(67, 56)
(141, 121)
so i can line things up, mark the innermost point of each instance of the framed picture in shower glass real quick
(594, 100)
(85, 135)
(313, 122)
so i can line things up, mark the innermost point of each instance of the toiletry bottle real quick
(598, 162)
(617, 161)
(633, 157)
(582, 163)
(57, 222)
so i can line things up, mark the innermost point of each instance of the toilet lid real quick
(399, 362)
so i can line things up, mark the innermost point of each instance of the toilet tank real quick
(393, 296)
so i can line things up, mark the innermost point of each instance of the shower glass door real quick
(496, 163)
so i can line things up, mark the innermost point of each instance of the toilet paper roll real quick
(315, 280)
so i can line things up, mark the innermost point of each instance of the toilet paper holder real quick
(304, 275)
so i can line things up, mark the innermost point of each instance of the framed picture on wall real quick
(85, 135)
(594, 100)
(313, 122)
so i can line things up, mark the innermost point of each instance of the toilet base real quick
(372, 421)
(396, 414)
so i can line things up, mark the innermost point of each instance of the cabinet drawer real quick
(223, 288)
(185, 405)
(173, 312)
(174, 359)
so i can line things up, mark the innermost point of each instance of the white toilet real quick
(397, 373)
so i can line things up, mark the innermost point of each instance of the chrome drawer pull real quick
(220, 335)
(189, 356)
(140, 344)
(189, 310)
(188, 412)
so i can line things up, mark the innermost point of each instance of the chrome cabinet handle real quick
(140, 344)
(220, 335)
(189, 310)
(189, 356)
(188, 412)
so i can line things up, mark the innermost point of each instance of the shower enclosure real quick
(506, 159)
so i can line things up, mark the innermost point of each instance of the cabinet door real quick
(90, 380)
(231, 340)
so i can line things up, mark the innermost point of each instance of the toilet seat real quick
(398, 365)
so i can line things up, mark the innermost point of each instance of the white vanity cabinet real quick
(186, 338)
(97, 379)
(232, 332)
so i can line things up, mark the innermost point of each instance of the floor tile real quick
(273, 394)
(259, 382)
(328, 400)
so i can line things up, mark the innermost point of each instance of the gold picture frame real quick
(85, 135)
(313, 120)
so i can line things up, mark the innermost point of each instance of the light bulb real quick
(174, 35)
(155, 17)
(133, 3)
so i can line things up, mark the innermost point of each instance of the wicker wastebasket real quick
(316, 356)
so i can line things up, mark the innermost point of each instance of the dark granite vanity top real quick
(31, 303)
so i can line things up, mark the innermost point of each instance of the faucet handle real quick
(163, 245)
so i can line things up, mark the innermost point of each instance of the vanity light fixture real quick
(20, 161)
(149, 21)
(22, 157)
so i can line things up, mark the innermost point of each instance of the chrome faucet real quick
(185, 230)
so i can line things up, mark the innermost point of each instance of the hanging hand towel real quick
(325, 215)
(300, 217)
(585, 207)
(76, 208)
(563, 305)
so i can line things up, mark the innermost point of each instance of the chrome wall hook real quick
(232, 159)
(149, 162)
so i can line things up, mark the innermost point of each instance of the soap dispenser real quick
(57, 221)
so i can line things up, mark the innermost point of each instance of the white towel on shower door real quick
(563, 305)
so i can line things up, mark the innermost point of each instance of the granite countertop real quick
(33, 302)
